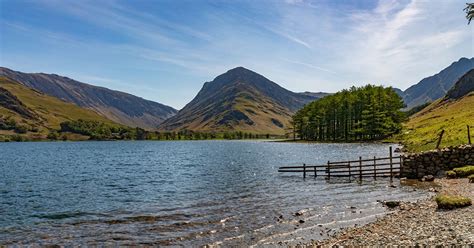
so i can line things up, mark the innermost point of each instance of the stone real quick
(391, 204)
(428, 178)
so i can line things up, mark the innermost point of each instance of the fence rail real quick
(373, 167)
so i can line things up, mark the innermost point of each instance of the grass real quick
(422, 130)
(471, 178)
(452, 202)
(464, 171)
(451, 174)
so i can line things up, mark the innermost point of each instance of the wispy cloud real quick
(309, 65)
(301, 44)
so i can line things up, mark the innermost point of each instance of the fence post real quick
(439, 139)
(401, 166)
(329, 171)
(304, 170)
(360, 169)
(391, 166)
(350, 173)
(468, 135)
(375, 170)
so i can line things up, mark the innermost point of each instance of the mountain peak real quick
(239, 99)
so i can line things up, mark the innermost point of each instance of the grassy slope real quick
(422, 130)
(52, 111)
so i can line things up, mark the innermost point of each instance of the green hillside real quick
(36, 114)
(422, 130)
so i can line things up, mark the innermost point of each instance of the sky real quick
(164, 50)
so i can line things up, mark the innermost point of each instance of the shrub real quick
(21, 129)
(452, 202)
(464, 171)
(16, 138)
(52, 136)
(451, 174)
(471, 178)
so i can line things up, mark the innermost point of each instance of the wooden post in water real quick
(315, 172)
(350, 173)
(328, 171)
(439, 139)
(375, 170)
(391, 165)
(468, 135)
(304, 170)
(360, 169)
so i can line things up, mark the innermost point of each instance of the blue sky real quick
(164, 50)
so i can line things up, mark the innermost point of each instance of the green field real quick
(422, 130)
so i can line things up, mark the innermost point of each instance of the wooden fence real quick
(372, 167)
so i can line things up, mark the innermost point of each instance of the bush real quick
(21, 129)
(451, 174)
(471, 178)
(452, 202)
(16, 138)
(52, 136)
(464, 171)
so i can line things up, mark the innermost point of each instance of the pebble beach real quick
(414, 224)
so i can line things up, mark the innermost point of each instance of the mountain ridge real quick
(436, 86)
(117, 106)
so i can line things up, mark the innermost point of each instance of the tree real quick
(469, 12)
(365, 113)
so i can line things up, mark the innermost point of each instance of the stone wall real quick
(436, 162)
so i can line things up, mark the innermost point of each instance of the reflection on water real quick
(179, 193)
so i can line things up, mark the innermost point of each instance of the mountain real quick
(462, 87)
(37, 113)
(434, 87)
(118, 106)
(452, 113)
(315, 95)
(239, 100)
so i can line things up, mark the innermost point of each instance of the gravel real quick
(415, 224)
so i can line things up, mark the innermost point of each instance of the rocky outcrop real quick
(464, 86)
(436, 162)
(11, 102)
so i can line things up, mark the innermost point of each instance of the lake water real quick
(187, 193)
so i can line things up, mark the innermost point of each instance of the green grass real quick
(464, 171)
(452, 202)
(422, 130)
(451, 174)
(471, 178)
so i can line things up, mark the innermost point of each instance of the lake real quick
(187, 193)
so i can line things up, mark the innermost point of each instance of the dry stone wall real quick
(436, 162)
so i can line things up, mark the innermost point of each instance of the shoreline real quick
(413, 223)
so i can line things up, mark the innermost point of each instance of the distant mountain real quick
(240, 100)
(36, 112)
(316, 95)
(118, 106)
(463, 86)
(434, 87)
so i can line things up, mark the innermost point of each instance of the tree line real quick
(103, 131)
(357, 114)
